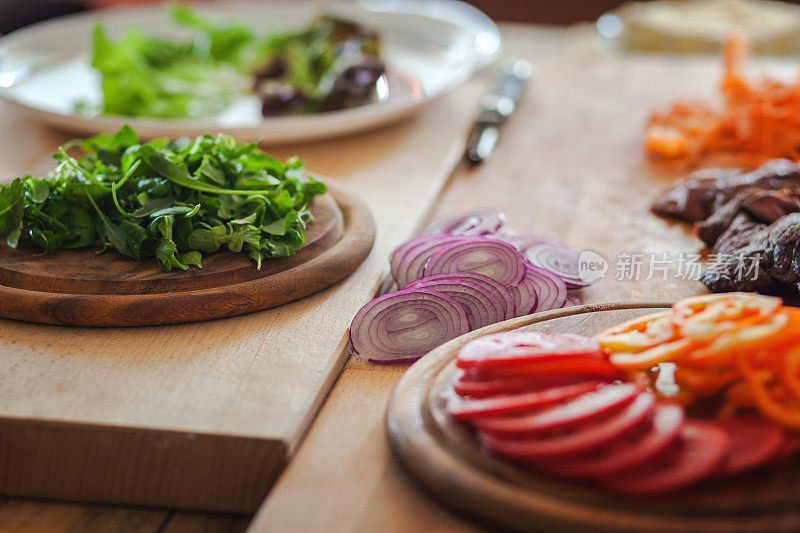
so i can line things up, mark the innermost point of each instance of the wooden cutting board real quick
(442, 455)
(78, 287)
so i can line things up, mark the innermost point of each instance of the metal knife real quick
(496, 107)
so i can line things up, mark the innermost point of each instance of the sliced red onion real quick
(572, 301)
(472, 222)
(397, 255)
(402, 326)
(550, 288)
(500, 291)
(482, 307)
(523, 242)
(525, 296)
(558, 259)
(411, 265)
(496, 259)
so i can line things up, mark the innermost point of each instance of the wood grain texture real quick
(82, 271)
(568, 164)
(52, 517)
(103, 463)
(447, 459)
(78, 288)
(372, 493)
(259, 377)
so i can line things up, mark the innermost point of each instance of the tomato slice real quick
(638, 334)
(581, 440)
(631, 450)
(465, 409)
(520, 384)
(754, 441)
(596, 367)
(582, 409)
(525, 346)
(702, 447)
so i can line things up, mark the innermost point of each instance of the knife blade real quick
(496, 107)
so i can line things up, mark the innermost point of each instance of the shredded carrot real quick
(760, 120)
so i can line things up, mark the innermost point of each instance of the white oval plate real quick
(430, 47)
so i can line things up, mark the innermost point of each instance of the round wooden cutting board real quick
(78, 287)
(445, 458)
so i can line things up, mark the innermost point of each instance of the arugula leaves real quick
(148, 76)
(172, 201)
(331, 64)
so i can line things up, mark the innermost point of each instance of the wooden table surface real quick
(569, 165)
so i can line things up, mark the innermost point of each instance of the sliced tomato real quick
(582, 409)
(633, 449)
(464, 409)
(580, 440)
(754, 441)
(525, 346)
(703, 445)
(638, 334)
(595, 367)
(789, 448)
(520, 384)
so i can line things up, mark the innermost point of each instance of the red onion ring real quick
(472, 222)
(523, 242)
(496, 259)
(572, 301)
(402, 326)
(558, 259)
(397, 255)
(526, 298)
(550, 288)
(411, 265)
(500, 291)
(481, 306)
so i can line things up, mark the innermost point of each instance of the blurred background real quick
(17, 13)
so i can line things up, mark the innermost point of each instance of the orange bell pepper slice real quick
(649, 358)
(770, 400)
(791, 371)
(705, 383)
(704, 318)
(753, 332)
(638, 334)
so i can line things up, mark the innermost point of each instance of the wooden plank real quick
(348, 455)
(183, 522)
(260, 376)
(33, 516)
(75, 287)
(569, 164)
(448, 460)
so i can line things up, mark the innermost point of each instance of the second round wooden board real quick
(80, 288)
(444, 457)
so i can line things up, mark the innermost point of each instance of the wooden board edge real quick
(428, 462)
(335, 264)
(105, 464)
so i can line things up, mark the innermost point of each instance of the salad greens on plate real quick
(169, 200)
(331, 64)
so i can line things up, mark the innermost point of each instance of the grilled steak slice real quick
(705, 191)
